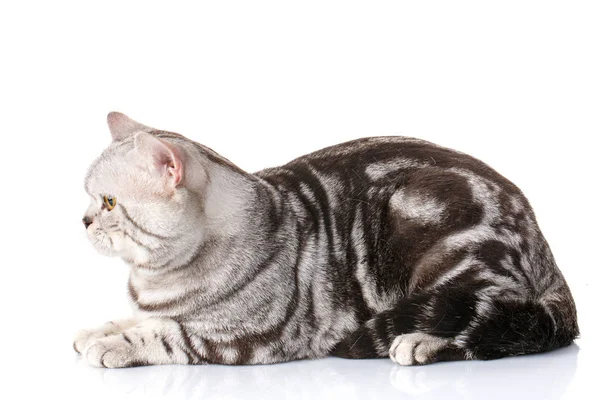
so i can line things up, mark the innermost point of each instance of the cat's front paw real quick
(85, 336)
(110, 352)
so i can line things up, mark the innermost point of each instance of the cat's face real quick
(138, 200)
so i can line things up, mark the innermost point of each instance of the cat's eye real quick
(110, 202)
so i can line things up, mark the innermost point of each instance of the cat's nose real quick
(87, 221)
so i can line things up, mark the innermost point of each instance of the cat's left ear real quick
(163, 156)
(121, 126)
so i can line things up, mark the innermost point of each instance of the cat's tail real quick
(455, 323)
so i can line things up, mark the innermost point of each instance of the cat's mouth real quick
(117, 244)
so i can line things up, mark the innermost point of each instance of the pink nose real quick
(87, 221)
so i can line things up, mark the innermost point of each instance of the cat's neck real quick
(232, 212)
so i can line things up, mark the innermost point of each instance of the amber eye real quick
(110, 202)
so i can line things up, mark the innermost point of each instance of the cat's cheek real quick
(118, 243)
(124, 246)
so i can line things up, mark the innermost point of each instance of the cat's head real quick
(146, 193)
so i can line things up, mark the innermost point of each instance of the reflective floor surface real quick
(565, 373)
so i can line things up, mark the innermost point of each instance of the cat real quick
(378, 247)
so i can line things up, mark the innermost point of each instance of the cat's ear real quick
(163, 156)
(121, 126)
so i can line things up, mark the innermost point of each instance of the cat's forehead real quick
(114, 172)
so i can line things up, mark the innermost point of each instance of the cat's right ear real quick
(121, 126)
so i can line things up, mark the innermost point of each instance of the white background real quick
(515, 83)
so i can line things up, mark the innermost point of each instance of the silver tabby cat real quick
(385, 246)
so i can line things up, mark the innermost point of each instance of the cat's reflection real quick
(547, 375)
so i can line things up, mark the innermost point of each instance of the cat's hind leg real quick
(467, 318)
(420, 329)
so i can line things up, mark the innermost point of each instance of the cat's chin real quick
(118, 245)
(115, 246)
(102, 242)
(105, 250)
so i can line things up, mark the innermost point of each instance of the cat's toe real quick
(84, 337)
(109, 352)
(94, 352)
(81, 340)
(401, 350)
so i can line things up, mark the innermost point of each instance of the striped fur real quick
(385, 246)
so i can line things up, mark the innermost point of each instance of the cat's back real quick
(385, 160)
